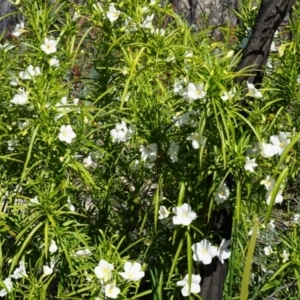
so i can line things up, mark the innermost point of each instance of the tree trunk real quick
(270, 16)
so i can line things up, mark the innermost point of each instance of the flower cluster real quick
(104, 272)
(122, 133)
(149, 152)
(185, 119)
(204, 251)
(276, 146)
(193, 91)
(183, 215)
(30, 72)
(269, 184)
(19, 272)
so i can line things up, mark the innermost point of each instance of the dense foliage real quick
(120, 126)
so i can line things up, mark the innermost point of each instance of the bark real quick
(270, 16)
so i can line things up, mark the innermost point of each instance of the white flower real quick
(268, 150)
(121, 133)
(250, 164)
(70, 205)
(178, 86)
(228, 95)
(273, 47)
(8, 287)
(253, 92)
(194, 92)
(87, 162)
(229, 54)
(268, 250)
(14, 81)
(281, 141)
(21, 98)
(132, 271)
(84, 252)
(147, 23)
(47, 270)
(34, 201)
(184, 215)
(271, 225)
(204, 251)
(11, 145)
(66, 134)
(269, 64)
(112, 14)
(222, 193)
(19, 272)
(111, 291)
(223, 251)
(278, 198)
(149, 151)
(62, 107)
(194, 288)
(188, 54)
(30, 72)
(19, 29)
(23, 125)
(145, 9)
(54, 62)
(185, 119)
(104, 270)
(251, 231)
(296, 218)
(163, 212)
(285, 256)
(49, 45)
(197, 140)
(268, 182)
(173, 151)
(53, 247)
(76, 16)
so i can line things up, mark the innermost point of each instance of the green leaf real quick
(248, 263)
